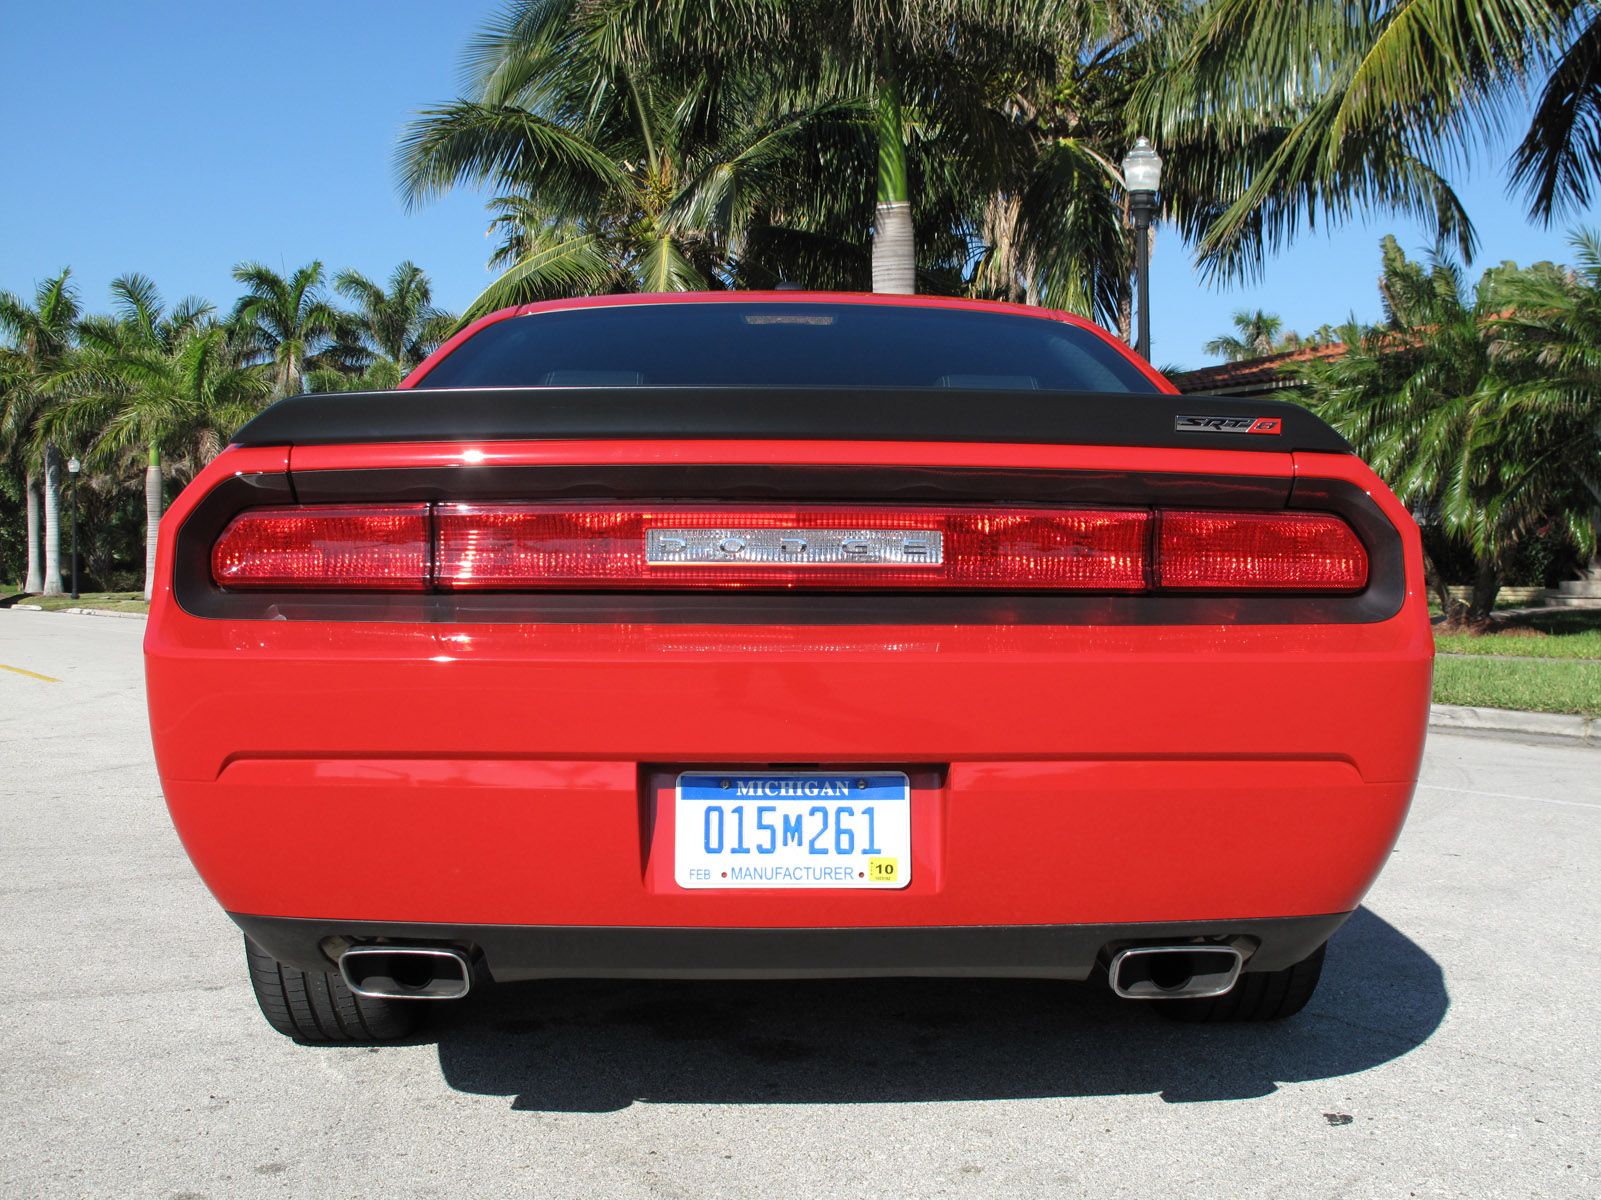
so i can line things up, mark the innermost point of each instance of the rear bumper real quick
(511, 952)
(429, 769)
(590, 843)
(511, 775)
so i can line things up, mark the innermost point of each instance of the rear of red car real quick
(782, 636)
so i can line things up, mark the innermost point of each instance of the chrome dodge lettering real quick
(793, 547)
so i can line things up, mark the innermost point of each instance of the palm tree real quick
(285, 320)
(157, 384)
(1354, 107)
(1055, 230)
(1256, 335)
(695, 144)
(1001, 121)
(939, 77)
(1548, 337)
(14, 458)
(1446, 400)
(608, 180)
(399, 325)
(40, 336)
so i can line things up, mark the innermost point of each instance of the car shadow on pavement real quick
(599, 1046)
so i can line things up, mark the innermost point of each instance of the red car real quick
(783, 635)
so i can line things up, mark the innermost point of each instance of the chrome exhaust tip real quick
(1174, 972)
(384, 972)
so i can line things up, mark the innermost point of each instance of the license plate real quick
(792, 829)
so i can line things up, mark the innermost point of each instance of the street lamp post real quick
(73, 467)
(1142, 177)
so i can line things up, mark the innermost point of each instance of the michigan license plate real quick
(792, 829)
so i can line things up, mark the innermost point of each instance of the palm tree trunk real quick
(52, 523)
(35, 578)
(1486, 583)
(152, 517)
(1434, 580)
(894, 248)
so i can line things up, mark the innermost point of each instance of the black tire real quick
(317, 1007)
(1258, 996)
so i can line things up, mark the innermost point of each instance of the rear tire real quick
(317, 1007)
(1257, 996)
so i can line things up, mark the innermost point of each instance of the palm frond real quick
(470, 143)
(558, 262)
(1559, 158)
(663, 267)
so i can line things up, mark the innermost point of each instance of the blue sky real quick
(177, 139)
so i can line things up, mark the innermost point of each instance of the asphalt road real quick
(1451, 1051)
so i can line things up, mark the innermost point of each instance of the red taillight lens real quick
(1237, 552)
(334, 546)
(412, 547)
(539, 546)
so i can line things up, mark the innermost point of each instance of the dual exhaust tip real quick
(1174, 972)
(384, 972)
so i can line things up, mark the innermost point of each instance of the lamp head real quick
(1142, 168)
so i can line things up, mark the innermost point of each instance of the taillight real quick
(532, 546)
(327, 546)
(516, 547)
(1249, 552)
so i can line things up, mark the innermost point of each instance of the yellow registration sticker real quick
(883, 870)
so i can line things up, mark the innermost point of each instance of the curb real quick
(82, 612)
(101, 612)
(1564, 728)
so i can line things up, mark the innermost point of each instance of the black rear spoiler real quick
(829, 414)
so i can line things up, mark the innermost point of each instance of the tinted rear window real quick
(787, 345)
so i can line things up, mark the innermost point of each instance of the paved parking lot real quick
(1451, 1051)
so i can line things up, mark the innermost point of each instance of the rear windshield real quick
(786, 345)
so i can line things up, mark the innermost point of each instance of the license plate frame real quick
(802, 830)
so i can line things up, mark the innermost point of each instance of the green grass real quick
(108, 601)
(1556, 686)
(1546, 661)
(1575, 633)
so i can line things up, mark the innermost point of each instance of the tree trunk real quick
(152, 517)
(1452, 608)
(894, 254)
(52, 523)
(894, 247)
(287, 373)
(35, 578)
(1486, 583)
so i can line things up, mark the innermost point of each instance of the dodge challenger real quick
(778, 635)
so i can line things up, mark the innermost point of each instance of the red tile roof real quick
(1252, 374)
